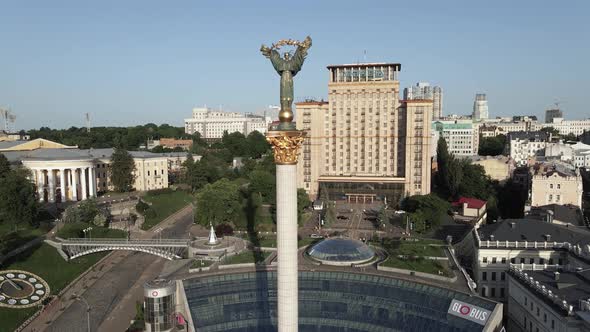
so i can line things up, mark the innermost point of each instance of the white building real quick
(576, 154)
(548, 300)
(212, 124)
(523, 243)
(64, 173)
(525, 145)
(566, 127)
(462, 136)
(480, 107)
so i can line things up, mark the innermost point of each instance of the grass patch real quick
(163, 205)
(247, 257)
(420, 248)
(420, 265)
(268, 241)
(198, 263)
(44, 261)
(75, 231)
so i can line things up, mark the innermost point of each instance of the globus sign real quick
(469, 312)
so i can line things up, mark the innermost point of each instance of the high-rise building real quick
(364, 142)
(423, 90)
(480, 107)
(212, 124)
(553, 113)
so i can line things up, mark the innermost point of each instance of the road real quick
(112, 295)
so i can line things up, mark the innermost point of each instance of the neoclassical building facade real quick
(64, 173)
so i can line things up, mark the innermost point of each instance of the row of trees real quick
(106, 137)
(459, 177)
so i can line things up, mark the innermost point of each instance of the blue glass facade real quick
(328, 301)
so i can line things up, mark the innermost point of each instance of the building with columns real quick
(70, 174)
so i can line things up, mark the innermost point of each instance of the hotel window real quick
(493, 260)
(484, 276)
(493, 276)
(503, 260)
(558, 186)
(485, 260)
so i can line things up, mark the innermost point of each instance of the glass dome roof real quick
(342, 250)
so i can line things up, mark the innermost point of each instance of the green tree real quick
(425, 211)
(4, 165)
(218, 203)
(236, 144)
(303, 203)
(263, 183)
(17, 199)
(122, 170)
(257, 144)
(474, 181)
(550, 130)
(492, 146)
(442, 161)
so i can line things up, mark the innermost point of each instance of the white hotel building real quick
(212, 124)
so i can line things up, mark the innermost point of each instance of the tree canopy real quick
(4, 165)
(122, 170)
(218, 203)
(492, 146)
(106, 137)
(17, 199)
(425, 211)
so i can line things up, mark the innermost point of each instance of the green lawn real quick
(247, 257)
(49, 265)
(420, 265)
(268, 241)
(164, 205)
(419, 248)
(197, 263)
(75, 231)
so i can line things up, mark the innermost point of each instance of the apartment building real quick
(365, 142)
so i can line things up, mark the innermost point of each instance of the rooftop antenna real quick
(87, 122)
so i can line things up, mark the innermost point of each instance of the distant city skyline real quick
(137, 62)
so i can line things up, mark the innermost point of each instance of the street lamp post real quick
(81, 299)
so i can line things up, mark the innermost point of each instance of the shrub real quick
(224, 229)
(141, 207)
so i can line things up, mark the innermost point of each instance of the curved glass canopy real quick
(341, 250)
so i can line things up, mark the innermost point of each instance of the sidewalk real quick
(87, 279)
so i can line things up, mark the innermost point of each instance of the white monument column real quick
(74, 184)
(286, 146)
(40, 184)
(62, 184)
(51, 180)
(83, 181)
(92, 182)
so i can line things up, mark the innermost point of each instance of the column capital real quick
(286, 145)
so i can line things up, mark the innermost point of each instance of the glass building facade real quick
(328, 301)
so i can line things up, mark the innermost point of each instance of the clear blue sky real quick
(133, 62)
